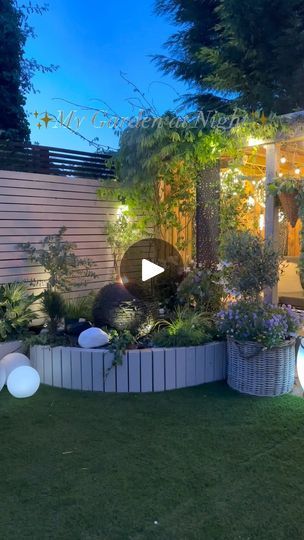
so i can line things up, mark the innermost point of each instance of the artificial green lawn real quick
(202, 463)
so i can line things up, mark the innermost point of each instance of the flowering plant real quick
(263, 323)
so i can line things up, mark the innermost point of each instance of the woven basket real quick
(261, 372)
(290, 207)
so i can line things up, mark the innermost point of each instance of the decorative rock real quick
(92, 338)
(23, 382)
(12, 361)
(2, 376)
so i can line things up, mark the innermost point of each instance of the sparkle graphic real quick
(36, 114)
(46, 119)
(39, 126)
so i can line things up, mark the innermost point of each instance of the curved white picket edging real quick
(148, 370)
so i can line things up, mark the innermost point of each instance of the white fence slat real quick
(39, 362)
(122, 376)
(134, 371)
(200, 364)
(146, 371)
(210, 362)
(48, 366)
(170, 369)
(86, 370)
(180, 367)
(57, 369)
(66, 367)
(33, 357)
(158, 370)
(76, 370)
(190, 366)
(97, 364)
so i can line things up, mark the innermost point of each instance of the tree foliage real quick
(246, 54)
(16, 70)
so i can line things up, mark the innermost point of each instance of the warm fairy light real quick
(283, 160)
(254, 142)
(262, 222)
(122, 209)
(297, 171)
(280, 174)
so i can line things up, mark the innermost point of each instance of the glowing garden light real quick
(2, 376)
(297, 171)
(283, 160)
(23, 382)
(12, 361)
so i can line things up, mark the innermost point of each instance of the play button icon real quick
(152, 269)
(149, 270)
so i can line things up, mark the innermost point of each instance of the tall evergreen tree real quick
(16, 70)
(13, 121)
(238, 53)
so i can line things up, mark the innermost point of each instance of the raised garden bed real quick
(147, 370)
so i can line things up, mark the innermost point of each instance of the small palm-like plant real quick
(53, 306)
(15, 310)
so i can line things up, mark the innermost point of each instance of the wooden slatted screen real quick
(35, 205)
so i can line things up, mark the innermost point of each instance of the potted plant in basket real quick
(287, 190)
(260, 337)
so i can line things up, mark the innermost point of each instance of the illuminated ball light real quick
(13, 360)
(23, 382)
(2, 377)
(21, 379)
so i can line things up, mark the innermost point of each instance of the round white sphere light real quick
(13, 360)
(300, 363)
(23, 382)
(2, 377)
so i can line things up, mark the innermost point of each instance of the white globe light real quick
(2, 376)
(300, 363)
(13, 360)
(23, 382)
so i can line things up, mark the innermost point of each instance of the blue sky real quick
(92, 42)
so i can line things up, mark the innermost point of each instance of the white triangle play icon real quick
(149, 270)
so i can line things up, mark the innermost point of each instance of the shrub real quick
(53, 306)
(57, 257)
(262, 323)
(251, 264)
(201, 288)
(15, 310)
(187, 328)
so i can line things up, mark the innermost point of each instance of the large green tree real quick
(238, 53)
(13, 122)
(16, 70)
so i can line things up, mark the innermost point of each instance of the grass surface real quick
(202, 463)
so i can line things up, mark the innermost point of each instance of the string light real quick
(297, 171)
(283, 160)
(280, 174)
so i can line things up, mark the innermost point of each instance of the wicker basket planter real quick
(290, 207)
(261, 372)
